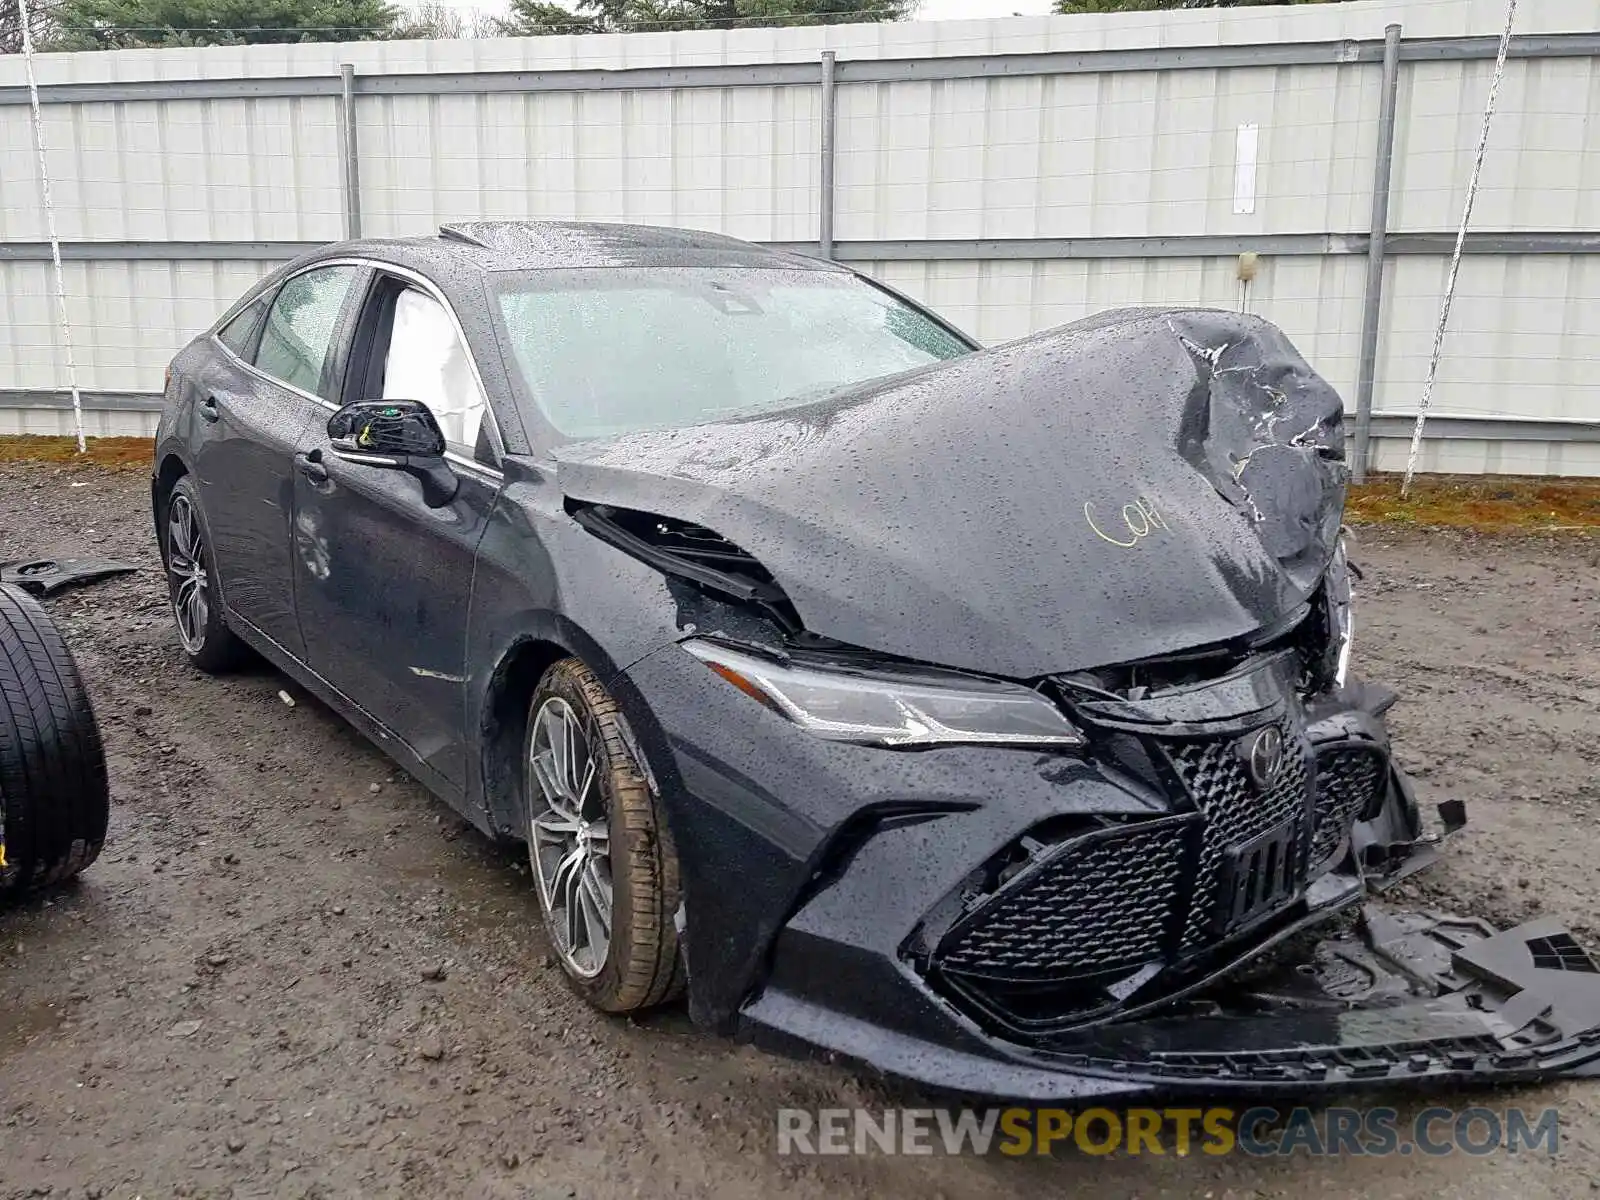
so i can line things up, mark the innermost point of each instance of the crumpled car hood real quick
(1137, 483)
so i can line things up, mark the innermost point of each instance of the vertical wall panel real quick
(46, 422)
(1542, 168)
(1524, 336)
(1134, 154)
(181, 170)
(128, 318)
(738, 161)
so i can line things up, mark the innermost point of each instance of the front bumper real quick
(1399, 999)
(822, 881)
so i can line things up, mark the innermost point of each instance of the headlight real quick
(1341, 615)
(882, 710)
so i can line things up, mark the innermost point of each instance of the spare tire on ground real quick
(54, 799)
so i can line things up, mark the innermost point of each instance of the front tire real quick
(54, 798)
(208, 643)
(602, 855)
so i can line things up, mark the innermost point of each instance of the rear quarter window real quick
(239, 334)
(298, 334)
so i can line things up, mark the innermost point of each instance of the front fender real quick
(543, 589)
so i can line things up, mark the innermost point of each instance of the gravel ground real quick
(233, 1001)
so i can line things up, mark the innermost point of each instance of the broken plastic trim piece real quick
(727, 580)
(1386, 859)
(1401, 998)
(1406, 996)
(1452, 815)
(44, 576)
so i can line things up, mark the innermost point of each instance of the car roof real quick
(474, 247)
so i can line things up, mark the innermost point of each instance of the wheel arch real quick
(170, 467)
(545, 639)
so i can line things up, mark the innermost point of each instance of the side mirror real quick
(395, 435)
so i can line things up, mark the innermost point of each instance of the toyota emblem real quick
(1264, 756)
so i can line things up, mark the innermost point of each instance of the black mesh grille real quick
(1078, 920)
(1103, 901)
(1348, 779)
(1235, 812)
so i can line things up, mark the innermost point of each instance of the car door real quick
(382, 579)
(258, 395)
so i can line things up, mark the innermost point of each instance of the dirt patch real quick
(232, 1002)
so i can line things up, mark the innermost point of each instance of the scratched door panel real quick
(242, 456)
(251, 420)
(383, 583)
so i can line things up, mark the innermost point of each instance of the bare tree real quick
(431, 19)
(40, 23)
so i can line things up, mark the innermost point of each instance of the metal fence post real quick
(352, 172)
(1372, 308)
(825, 186)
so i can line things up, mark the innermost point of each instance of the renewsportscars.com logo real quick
(1258, 1131)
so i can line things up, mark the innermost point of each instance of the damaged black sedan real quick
(980, 716)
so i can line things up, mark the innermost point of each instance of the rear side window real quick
(239, 334)
(298, 335)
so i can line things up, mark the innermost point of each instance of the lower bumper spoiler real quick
(1392, 998)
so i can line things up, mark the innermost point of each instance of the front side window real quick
(427, 362)
(618, 350)
(299, 331)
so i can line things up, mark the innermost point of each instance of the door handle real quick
(310, 465)
(209, 410)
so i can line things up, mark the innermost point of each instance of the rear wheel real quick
(602, 856)
(54, 800)
(192, 584)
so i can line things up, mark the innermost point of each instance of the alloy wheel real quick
(186, 568)
(569, 837)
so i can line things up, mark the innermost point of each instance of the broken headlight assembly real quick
(896, 710)
(1341, 616)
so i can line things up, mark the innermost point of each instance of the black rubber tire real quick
(643, 966)
(54, 799)
(218, 651)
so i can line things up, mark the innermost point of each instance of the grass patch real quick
(111, 453)
(1487, 503)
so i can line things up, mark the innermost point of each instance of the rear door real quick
(383, 580)
(256, 399)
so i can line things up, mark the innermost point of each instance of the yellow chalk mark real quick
(1141, 519)
(1088, 515)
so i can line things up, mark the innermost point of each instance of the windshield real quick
(619, 350)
